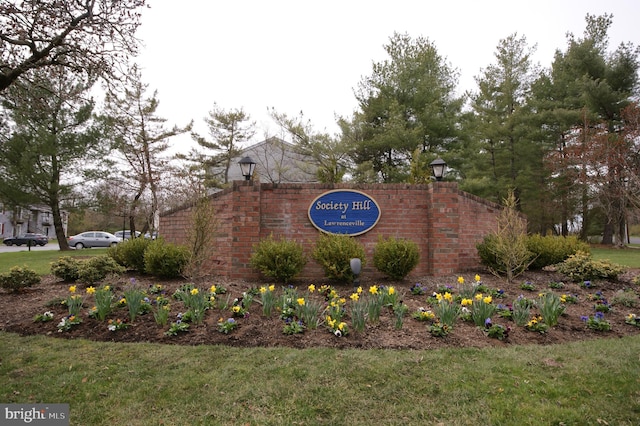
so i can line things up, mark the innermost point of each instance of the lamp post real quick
(246, 166)
(439, 168)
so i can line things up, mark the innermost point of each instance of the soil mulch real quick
(256, 330)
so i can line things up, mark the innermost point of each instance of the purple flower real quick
(231, 321)
(599, 315)
(587, 283)
(584, 318)
(487, 322)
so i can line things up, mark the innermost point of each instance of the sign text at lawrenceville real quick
(344, 211)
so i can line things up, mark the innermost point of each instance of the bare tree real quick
(84, 35)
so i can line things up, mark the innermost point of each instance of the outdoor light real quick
(439, 168)
(247, 165)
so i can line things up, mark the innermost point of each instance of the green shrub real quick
(98, 268)
(130, 253)
(395, 257)
(165, 260)
(19, 278)
(581, 266)
(281, 260)
(66, 268)
(550, 250)
(334, 253)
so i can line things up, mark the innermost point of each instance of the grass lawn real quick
(591, 382)
(40, 260)
(628, 257)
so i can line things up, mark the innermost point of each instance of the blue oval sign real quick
(344, 211)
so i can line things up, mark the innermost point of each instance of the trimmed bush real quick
(130, 253)
(395, 257)
(551, 249)
(98, 268)
(165, 260)
(281, 260)
(19, 278)
(66, 268)
(581, 266)
(334, 252)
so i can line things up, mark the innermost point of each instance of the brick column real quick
(245, 229)
(444, 228)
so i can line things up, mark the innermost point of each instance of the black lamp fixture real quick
(439, 168)
(246, 166)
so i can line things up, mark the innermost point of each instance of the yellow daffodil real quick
(107, 288)
(373, 289)
(341, 326)
(477, 277)
(359, 290)
(312, 288)
(354, 297)
(72, 289)
(466, 302)
(212, 289)
(194, 291)
(448, 297)
(479, 296)
(487, 300)
(91, 290)
(263, 289)
(342, 300)
(438, 297)
(301, 301)
(272, 287)
(392, 291)
(460, 280)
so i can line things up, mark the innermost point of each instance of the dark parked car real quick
(28, 238)
(93, 239)
(126, 235)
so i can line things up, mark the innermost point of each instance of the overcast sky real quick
(310, 55)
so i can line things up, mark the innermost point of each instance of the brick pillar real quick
(444, 228)
(245, 229)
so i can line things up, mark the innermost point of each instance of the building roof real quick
(277, 161)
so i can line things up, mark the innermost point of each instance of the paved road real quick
(7, 249)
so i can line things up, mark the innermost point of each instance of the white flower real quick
(112, 327)
(338, 333)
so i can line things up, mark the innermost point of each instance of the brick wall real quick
(445, 222)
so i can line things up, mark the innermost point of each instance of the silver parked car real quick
(93, 239)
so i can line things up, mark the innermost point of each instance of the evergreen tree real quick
(228, 131)
(54, 143)
(142, 141)
(406, 106)
(505, 157)
(580, 102)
